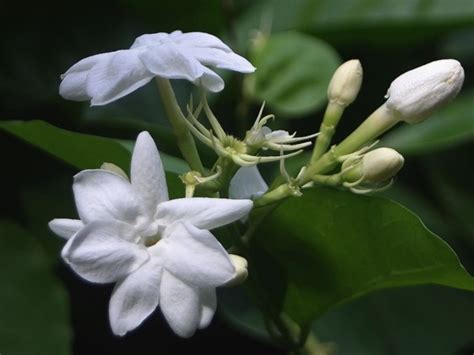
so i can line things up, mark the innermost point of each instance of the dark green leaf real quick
(293, 73)
(452, 126)
(85, 151)
(333, 246)
(33, 305)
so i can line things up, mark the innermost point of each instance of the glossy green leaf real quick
(452, 126)
(33, 305)
(85, 151)
(332, 246)
(293, 73)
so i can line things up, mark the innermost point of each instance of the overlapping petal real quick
(201, 212)
(194, 256)
(180, 305)
(102, 195)
(147, 174)
(65, 227)
(102, 251)
(116, 76)
(208, 301)
(135, 298)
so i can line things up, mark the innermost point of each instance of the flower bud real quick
(381, 164)
(115, 169)
(345, 83)
(241, 272)
(414, 95)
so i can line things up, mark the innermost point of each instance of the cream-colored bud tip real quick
(416, 94)
(345, 83)
(381, 164)
(240, 264)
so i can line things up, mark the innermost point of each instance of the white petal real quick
(65, 227)
(150, 39)
(135, 298)
(208, 306)
(278, 136)
(117, 76)
(100, 252)
(101, 195)
(147, 174)
(211, 81)
(223, 60)
(167, 61)
(73, 84)
(206, 213)
(247, 183)
(198, 39)
(194, 255)
(180, 305)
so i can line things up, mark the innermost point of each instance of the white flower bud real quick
(381, 164)
(414, 95)
(241, 272)
(345, 83)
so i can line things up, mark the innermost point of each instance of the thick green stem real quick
(331, 119)
(185, 140)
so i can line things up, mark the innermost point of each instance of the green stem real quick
(185, 140)
(328, 127)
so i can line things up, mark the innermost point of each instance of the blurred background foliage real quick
(296, 46)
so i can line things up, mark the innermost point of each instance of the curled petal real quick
(180, 305)
(247, 183)
(65, 227)
(102, 195)
(116, 76)
(199, 39)
(208, 306)
(211, 81)
(101, 252)
(195, 256)
(201, 212)
(150, 40)
(73, 84)
(135, 298)
(147, 174)
(221, 59)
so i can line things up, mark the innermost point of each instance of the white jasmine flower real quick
(414, 95)
(157, 251)
(107, 77)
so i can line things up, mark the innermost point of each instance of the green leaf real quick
(397, 20)
(293, 73)
(452, 126)
(85, 151)
(33, 305)
(332, 246)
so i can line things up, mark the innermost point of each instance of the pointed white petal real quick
(147, 174)
(101, 252)
(194, 255)
(73, 84)
(135, 298)
(198, 39)
(65, 227)
(167, 61)
(101, 195)
(180, 305)
(208, 306)
(206, 213)
(247, 183)
(221, 59)
(116, 76)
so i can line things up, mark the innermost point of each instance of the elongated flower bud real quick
(381, 164)
(345, 83)
(414, 95)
